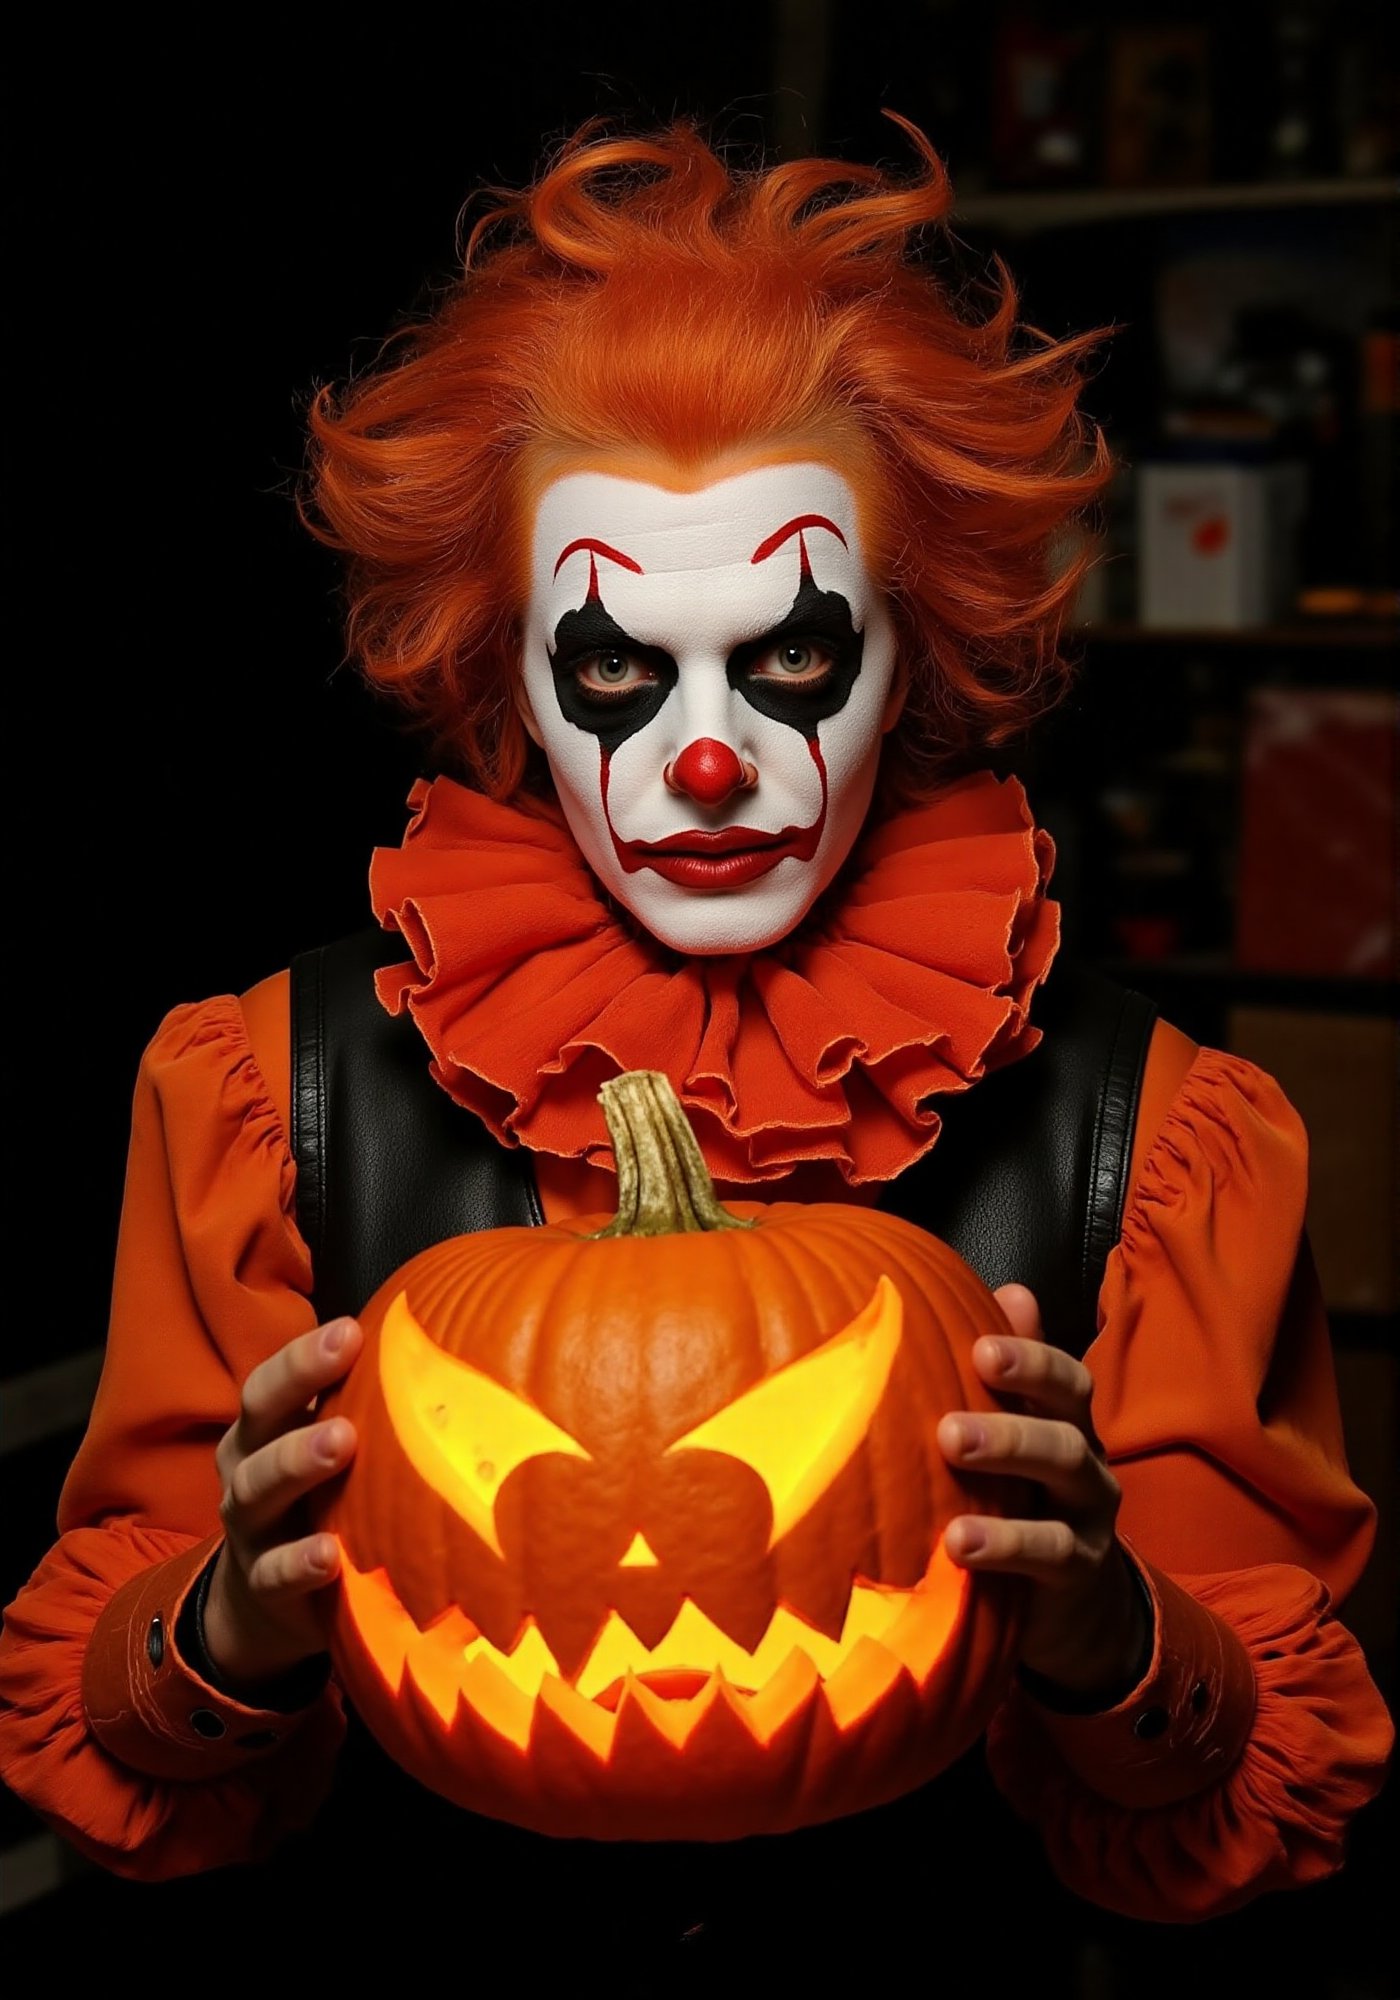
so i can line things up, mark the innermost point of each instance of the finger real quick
(1057, 1456)
(279, 1390)
(1044, 1380)
(265, 1486)
(1047, 1551)
(1021, 1311)
(294, 1569)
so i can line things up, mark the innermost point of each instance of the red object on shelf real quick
(1317, 884)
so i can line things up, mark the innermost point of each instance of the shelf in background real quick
(1059, 208)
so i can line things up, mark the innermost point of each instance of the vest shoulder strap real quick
(387, 1163)
(1029, 1175)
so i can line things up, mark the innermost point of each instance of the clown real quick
(712, 545)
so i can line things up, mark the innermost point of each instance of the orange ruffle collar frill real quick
(911, 978)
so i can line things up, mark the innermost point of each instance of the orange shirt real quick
(1215, 1401)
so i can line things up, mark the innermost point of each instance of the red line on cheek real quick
(812, 837)
(630, 864)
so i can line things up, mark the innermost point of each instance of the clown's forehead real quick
(753, 525)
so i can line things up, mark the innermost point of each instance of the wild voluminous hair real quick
(643, 298)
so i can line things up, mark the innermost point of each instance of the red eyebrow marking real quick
(795, 527)
(601, 549)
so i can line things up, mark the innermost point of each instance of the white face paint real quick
(710, 675)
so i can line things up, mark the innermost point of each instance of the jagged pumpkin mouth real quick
(888, 1634)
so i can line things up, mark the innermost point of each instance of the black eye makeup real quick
(804, 669)
(607, 683)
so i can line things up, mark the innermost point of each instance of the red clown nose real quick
(707, 771)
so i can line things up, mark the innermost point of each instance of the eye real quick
(797, 662)
(603, 674)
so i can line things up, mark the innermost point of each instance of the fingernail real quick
(968, 1437)
(968, 1541)
(335, 1336)
(997, 1355)
(331, 1443)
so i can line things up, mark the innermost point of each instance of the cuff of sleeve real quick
(147, 1706)
(1183, 1726)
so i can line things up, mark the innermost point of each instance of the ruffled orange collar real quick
(912, 978)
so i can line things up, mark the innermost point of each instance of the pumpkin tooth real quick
(495, 1698)
(861, 1682)
(675, 1720)
(593, 1726)
(614, 1654)
(435, 1661)
(644, 1730)
(377, 1613)
(782, 1695)
(530, 1658)
(929, 1616)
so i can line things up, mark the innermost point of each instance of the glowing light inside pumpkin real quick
(465, 1433)
(798, 1428)
(887, 1633)
(461, 1431)
(638, 1554)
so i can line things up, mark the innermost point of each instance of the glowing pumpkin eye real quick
(463, 1433)
(798, 1428)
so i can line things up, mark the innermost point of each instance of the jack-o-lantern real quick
(643, 1537)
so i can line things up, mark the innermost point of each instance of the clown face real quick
(709, 674)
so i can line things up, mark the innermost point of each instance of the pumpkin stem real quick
(663, 1184)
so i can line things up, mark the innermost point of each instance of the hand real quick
(265, 1612)
(1087, 1625)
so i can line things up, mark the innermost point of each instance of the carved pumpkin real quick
(643, 1536)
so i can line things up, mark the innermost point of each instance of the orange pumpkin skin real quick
(559, 1679)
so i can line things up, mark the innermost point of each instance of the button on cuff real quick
(148, 1706)
(1184, 1726)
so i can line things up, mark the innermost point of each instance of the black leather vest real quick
(1026, 1181)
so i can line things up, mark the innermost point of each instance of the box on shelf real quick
(1339, 1071)
(1217, 542)
(1316, 883)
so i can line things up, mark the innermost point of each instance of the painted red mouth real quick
(696, 841)
(727, 859)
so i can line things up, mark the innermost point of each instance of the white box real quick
(1218, 544)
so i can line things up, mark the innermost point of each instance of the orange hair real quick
(644, 297)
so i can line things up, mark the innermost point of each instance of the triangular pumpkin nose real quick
(638, 1554)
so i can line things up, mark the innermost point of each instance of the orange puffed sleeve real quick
(104, 1729)
(1215, 1399)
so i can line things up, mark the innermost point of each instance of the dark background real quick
(212, 216)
